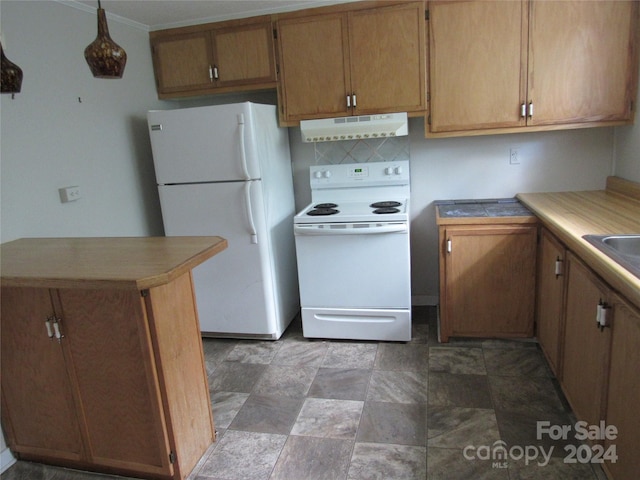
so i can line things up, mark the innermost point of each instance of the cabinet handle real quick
(56, 329)
(559, 266)
(348, 101)
(530, 109)
(449, 246)
(210, 73)
(47, 324)
(215, 73)
(354, 100)
(523, 110)
(602, 316)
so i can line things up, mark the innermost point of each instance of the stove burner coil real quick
(384, 210)
(322, 211)
(386, 204)
(326, 205)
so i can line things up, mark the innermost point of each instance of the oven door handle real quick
(350, 229)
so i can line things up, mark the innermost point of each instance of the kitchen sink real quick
(624, 244)
(624, 249)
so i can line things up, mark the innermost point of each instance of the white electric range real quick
(352, 246)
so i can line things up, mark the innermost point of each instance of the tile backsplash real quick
(362, 151)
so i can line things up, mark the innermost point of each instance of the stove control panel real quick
(359, 174)
(358, 171)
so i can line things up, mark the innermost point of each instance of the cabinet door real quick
(38, 407)
(477, 64)
(490, 281)
(550, 298)
(387, 52)
(107, 339)
(624, 390)
(182, 62)
(586, 347)
(314, 67)
(581, 61)
(244, 55)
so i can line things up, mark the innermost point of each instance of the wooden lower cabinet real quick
(585, 366)
(98, 397)
(36, 386)
(550, 298)
(487, 280)
(624, 391)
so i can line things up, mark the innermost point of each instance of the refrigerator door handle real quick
(252, 225)
(243, 149)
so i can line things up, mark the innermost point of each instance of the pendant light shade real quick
(105, 57)
(11, 75)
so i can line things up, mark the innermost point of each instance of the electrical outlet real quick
(69, 194)
(514, 156)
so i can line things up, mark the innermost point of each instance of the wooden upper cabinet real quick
(214, 58)
(314, 66)
(352, 63)
(387, 52)
(181, 62)
(477, 64)
(581, 61)
(501, 66)
(244, 55)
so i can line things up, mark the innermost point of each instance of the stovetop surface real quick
(357, 211)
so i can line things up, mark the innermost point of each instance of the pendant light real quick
(105, 57)
(11, 76)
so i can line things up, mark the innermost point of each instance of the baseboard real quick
(6, 460)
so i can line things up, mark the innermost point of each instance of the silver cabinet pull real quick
(602, 316)
(558, 269)
(523, 110)
(210, 73)
(530, 109)
(47, 323)
(354, 100)
(348, 101)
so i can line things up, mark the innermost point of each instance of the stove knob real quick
(327, 174)
(388, 171)
(317, 174)
(398, 170)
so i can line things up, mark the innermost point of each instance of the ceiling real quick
(159, 14)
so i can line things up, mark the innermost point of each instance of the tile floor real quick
(299, 409)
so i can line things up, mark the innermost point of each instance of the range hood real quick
(354, 128)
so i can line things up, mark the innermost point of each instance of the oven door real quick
(354, 277)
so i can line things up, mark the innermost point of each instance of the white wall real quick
(68, 128)
(627, 145)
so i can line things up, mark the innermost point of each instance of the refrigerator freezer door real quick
(204, 144)
(233, 289)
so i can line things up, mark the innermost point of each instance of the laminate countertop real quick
(107, 262)
(570, 215)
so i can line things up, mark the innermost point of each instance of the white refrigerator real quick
(226, 170)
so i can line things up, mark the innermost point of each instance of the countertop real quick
(570, 215)
(493, 211)
(110, 262)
